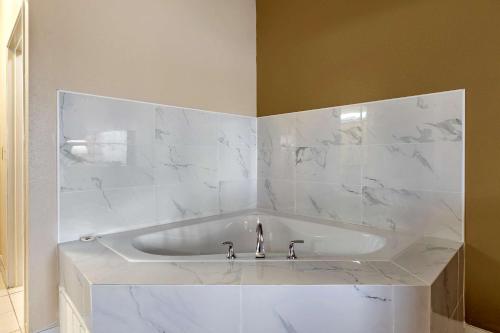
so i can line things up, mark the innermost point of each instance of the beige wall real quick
(320, 53)
(9, 10)
(194, 53)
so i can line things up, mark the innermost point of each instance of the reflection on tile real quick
(134, 168)
(126, 164)
(94, 120)
(166, 309)
(330, 126)
(281, 309)
(405, 153)
(334, 201)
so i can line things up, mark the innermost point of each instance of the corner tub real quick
(200, 240)
(175, 278)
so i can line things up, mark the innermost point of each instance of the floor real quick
(11, 309)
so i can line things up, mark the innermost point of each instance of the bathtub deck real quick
(419, 290)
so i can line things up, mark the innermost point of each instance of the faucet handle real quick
(230, 250)
(291, 249)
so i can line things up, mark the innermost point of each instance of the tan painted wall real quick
(322, 53)
(9, 9)
(194, 53)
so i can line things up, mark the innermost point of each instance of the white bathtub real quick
(200, 240)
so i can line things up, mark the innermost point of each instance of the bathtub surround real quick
(126, 164)
(390, 168)
(395, 164)
(416, 291)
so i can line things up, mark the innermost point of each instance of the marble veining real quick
(395, 164)
(419, 290)
(126, 164)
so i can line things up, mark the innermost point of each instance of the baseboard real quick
(472, 329)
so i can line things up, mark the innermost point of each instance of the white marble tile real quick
(411, 309)
(427, 257)
(237, 195)
(444, 290)
(132, 166)
(330, 126)
(426, 213)
(75, 285)
(334, 201)
(321, 309)
(416, 119)
(432, 167)
(166, 309)
(277, 195)
(104, 140)
(112, 149)
(235, 131)
(186, 200)
(276, 163)
(314, 273)
(185, 126)
(105, 211)
(276, 131)
(185, 163)
(89, 119)
(333, 164)
(237, 163)
(395, 274)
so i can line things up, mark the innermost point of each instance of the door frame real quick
(16, 162)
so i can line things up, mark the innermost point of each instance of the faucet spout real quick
(259, 249)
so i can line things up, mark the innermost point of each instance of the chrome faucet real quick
(260, 252)
(230, 250)
(291, 249)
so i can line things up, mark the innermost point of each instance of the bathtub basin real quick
(200, 239)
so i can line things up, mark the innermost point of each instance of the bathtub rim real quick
(121, 242)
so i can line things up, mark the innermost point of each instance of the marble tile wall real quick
(126, 164)
(394, 164)
(254, 308)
